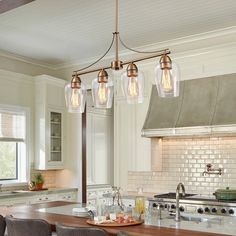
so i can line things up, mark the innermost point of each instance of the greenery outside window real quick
(13, 145)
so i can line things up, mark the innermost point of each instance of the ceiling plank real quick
(7, 5)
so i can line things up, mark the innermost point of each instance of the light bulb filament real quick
(166, 80)
(133, 88)
(75, 98)
(102, 93)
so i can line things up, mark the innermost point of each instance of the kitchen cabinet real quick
(41, 197)
(49, 123)
(132, 151)
(95, 193)
(15, 201)
(99, 130)
(69, 196)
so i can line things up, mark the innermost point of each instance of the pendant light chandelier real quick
(166, 78)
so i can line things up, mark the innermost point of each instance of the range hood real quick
(206, 106)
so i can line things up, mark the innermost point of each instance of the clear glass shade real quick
(102, 93)
(133, 87)
(167, 81)
(75, 98)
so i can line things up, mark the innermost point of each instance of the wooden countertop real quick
(29, 211)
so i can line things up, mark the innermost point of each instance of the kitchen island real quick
(32, 211)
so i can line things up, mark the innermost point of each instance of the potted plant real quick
(39, 181)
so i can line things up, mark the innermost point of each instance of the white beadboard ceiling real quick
(57, 32)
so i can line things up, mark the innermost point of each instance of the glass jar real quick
(140, 204)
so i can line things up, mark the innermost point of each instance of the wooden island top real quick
(30, 211)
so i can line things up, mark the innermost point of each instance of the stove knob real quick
(173, 206)
(161, 206)
(166, 205)
(223, 211)
(154, 205)
(200, 210)
(214, 210)
(231, 211)
(181, 208)
(207, 210)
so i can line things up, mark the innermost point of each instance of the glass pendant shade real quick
(167, 78)
(133, 86)
(102, 92)
(75, 98)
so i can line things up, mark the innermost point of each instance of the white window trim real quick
(26, 110)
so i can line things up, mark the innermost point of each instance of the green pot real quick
(225, 194)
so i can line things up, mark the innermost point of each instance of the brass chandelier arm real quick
(99, 59)
(134, 50)
(160, 53)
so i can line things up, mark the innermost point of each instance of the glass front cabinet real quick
(49, 123)
(55, 152)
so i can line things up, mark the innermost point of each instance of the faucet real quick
(177, 212)
(211, 170)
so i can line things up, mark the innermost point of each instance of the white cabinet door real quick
(99, 130)
(124, 141)
(142, 144)
(95, 194)
(14, 201)
(43, 198)
(132, 152)
(70, 196)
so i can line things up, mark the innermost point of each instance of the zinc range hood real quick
(206, 106)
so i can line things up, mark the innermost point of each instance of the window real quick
(13, 152)
(8, 160)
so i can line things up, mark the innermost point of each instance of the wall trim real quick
(197, 41)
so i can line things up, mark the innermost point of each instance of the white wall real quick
(17, 90)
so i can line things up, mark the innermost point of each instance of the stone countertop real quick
(25, 193)
(202, 223)
(166, 228)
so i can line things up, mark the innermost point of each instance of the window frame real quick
(23, 148)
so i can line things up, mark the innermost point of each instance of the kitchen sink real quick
(196, 218)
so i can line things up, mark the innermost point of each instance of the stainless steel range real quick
(192, 203)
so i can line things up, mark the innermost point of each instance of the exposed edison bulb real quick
(75, 97)
(166, 80)
(102, 93)
(133, 88)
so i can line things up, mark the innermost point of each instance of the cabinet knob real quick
(214, 210)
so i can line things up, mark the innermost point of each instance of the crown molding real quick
(197, 41)
(50, 79)
(25, 59)
(15, 77)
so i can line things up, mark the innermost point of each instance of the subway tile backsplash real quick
(184, 160)
(48, 175)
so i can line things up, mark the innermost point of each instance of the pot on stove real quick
(225, 194)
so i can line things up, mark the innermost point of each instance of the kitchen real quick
(157, 165)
